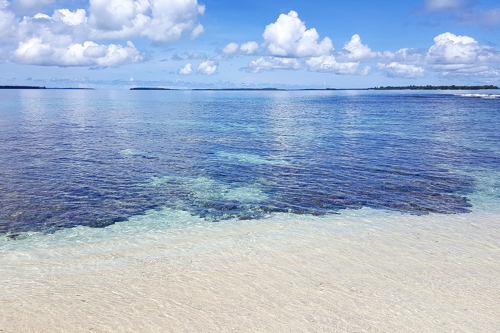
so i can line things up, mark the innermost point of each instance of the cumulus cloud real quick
(234, 48)
(70, 18)
(66, 31)
(405, 55)
(35, 52)
(249, 48)
(395, 69)
(289, 39)
(186, 70)
(449, 54)
(207, 67)
(288, 36)
(198, 30)
(159, 20)
(7, 25)
(176, 57)
(330, 64)
(459, 52)
(354, 50)
(230, 48)
(290, 43)
(198, 56)
(272, 63)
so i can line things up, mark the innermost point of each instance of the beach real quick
(220, 211)
(357, 272)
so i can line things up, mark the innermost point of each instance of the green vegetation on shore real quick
(412, 87)
(151, 88)
(429, 87)
(35, 87)
(21, 87)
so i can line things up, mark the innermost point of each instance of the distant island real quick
(73, 88)
(21, 87)
(35, 87)
(148, 88)
(206, 89)
(238, 89)
(245, 89)
(412, 87)
(429, 87)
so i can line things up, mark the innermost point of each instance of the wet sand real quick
(397, 273)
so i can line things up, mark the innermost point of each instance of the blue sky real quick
(118, 44)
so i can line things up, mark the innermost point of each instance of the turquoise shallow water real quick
(249, 211)
(169, 159)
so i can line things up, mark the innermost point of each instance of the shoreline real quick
(366, 272)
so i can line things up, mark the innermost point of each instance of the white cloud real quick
(197, 31)
(186, 70)
(234, 49)
(198, 56)
(8, 25)
(486, 74)
(354, 50)
(70, 18)
(460, 50)
(249, 48)
(35, 52)
(405, 55)
(230, 48)
(395, 69)
(288, 36)
(330, 64)
(159, 20)
(467, 10)
(207, 67)
(444, 5)
(65, 31)
(485, 18)
(272, 63)
(449, 54)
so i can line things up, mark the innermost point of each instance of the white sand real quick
(394, 273)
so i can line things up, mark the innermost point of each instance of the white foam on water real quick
(137, 153)
(488, 96)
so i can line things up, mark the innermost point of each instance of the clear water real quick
(100, 158)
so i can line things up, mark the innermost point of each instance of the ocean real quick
(102, 181)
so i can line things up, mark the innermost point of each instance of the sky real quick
(119, 44)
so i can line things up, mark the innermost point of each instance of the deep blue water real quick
(95, 158)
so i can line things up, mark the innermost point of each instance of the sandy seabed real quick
(394, 273)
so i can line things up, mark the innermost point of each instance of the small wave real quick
(489, 96)
(137, 153)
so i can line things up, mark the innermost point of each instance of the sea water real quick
(101, 187)
(95, 158)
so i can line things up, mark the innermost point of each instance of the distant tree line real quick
(21, 87)
(429, 87)
(34, 87)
